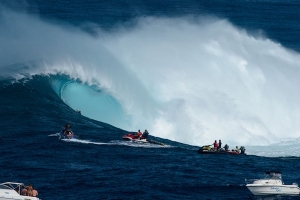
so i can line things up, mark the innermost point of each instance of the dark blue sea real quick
(190, 72)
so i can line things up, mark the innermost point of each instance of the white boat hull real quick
(18, 198)
(11, 190)
(273, 189)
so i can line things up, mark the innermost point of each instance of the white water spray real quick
(186, 80)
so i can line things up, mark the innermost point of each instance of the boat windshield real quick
(272, 175)
(4, 187)
(12, 186)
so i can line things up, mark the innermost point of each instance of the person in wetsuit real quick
(67, 129)
(220, 145)
(145, 134)
(139, 134)
(226, 147)
(242, 149)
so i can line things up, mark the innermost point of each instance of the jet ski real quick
(143, 139)
(134, 137)
(66, 132)
(206, 149)
(66, 135)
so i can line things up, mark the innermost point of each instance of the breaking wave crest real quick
(191, 80)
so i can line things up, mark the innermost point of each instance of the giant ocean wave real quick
(191, 80)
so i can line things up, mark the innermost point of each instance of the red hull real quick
(134, 137)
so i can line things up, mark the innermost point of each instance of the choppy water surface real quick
(190, 73)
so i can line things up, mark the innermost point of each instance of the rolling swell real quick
(31, 102)
(187, 79)
(35, 104)
(182, 67)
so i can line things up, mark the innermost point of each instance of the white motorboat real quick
(11, 190)
(271, 184)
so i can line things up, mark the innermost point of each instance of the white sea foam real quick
(187, 80)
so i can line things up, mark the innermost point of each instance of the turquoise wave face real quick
(191, 80)
(93, 103)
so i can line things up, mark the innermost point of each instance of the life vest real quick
(139, 133)
(216, 145)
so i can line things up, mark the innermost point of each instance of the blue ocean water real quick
(190, 72)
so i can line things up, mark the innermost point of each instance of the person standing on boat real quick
(220, 145)
(215, 145)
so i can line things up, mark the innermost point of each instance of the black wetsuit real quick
(145, 134)
(67, 129)
(242, 150)
(220, 145)
(226, 147)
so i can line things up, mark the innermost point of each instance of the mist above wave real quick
(192, 80)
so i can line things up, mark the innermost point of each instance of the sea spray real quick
(191, 80)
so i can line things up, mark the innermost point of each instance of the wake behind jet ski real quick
(140, 137)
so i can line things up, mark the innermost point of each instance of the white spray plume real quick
(189, 80)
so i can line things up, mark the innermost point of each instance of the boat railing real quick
(251, 181)
(264, 181)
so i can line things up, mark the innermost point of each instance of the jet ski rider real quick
(145, 134)
(67, 129)
(139, 134)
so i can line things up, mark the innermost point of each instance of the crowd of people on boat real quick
(218, 147)
(29, 190)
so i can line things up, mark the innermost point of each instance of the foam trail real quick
(188, 80)
(120, 143)
(85, 141)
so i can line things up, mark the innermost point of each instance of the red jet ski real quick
(143, 139)
(134, 137)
